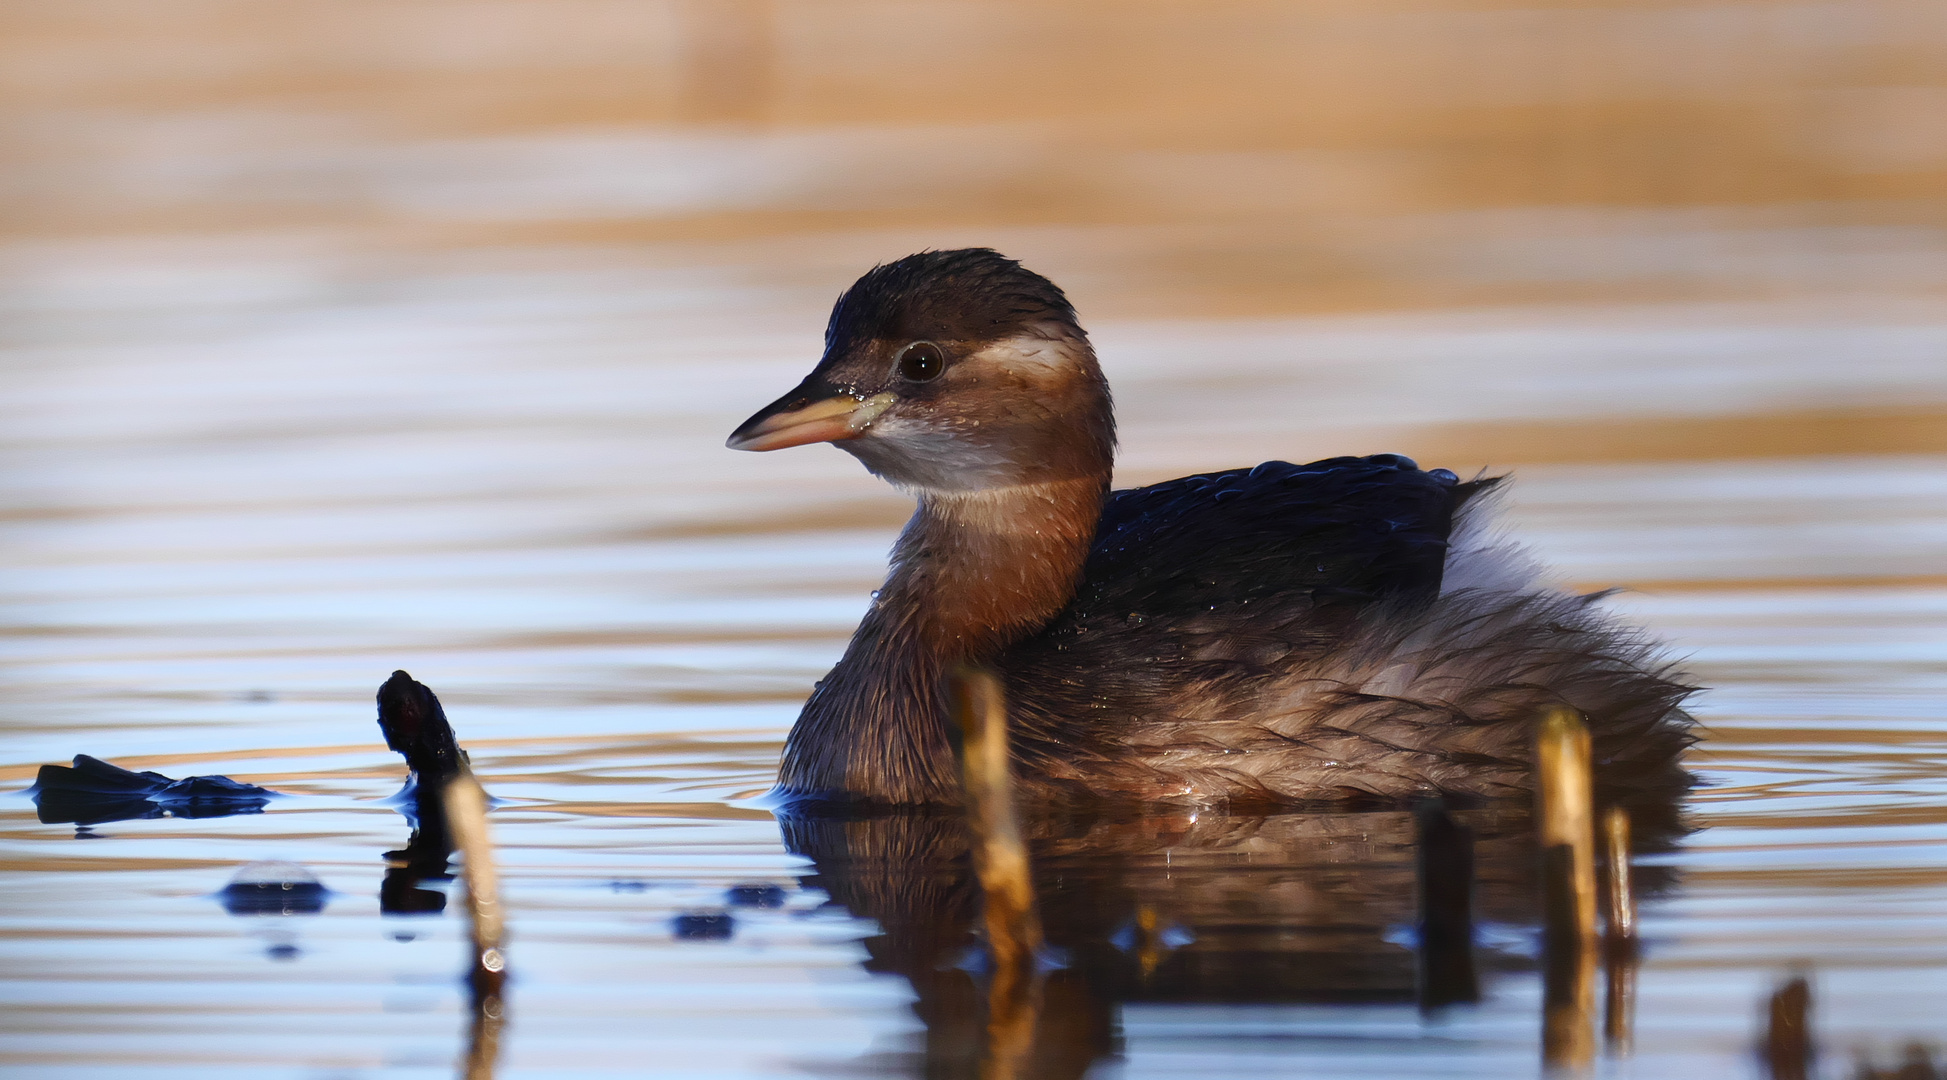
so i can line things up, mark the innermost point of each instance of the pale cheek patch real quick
(999, 404)
(1032, 379)
(1035, 358)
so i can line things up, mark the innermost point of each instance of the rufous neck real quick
(976, 571)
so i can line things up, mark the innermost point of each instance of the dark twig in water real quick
(1564, 800)
(415, 726)
(1000, 859)
(94, 792)
(452, 815)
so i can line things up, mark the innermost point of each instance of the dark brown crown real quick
(969, 295)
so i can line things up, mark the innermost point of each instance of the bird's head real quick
(951, 371)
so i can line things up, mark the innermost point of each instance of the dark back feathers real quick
(1342, 533)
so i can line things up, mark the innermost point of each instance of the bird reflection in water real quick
(1312, 907)
(1179, 908)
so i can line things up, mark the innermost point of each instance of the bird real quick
(1352, 631)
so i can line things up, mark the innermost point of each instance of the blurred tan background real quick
(1159, 158)
(244, 240)
(1209, 156)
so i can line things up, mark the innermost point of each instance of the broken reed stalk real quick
(1787, 1051)
(466, 819)
(1000, 859)
(1619, 946)
(1565, 806)
(1622, 889)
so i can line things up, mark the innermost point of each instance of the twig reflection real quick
(1172, 907)
(1446, 974)
(1000, 860)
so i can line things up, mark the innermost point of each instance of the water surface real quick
(339, 341)
(520, 498)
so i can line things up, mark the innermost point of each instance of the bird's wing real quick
(1195, 583)
(1344, 531)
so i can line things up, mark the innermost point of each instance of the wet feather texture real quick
(1291, 642)
(1349, 630)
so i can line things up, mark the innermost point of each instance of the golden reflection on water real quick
(347, 336)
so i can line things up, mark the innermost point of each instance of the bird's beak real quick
(809, 414)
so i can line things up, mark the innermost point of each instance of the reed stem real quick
(1619, 945)
(1565, 805)
(1622, 891)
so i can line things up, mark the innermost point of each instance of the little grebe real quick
(1286, 634)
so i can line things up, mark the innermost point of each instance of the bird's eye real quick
(922, 360)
